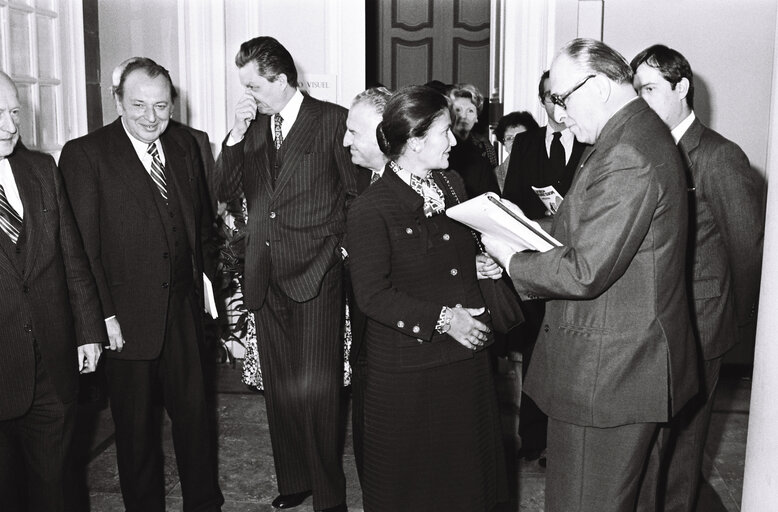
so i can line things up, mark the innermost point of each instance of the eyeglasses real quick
(559, 99)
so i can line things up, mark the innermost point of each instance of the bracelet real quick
(444, 320)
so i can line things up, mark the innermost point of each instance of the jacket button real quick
(415, 329)
(409, 231)
(27, 328)
(165, 284)
(272, 215)
(454, 271)
(267, 242)
(446, 237)
(400, 324)
(545, 328)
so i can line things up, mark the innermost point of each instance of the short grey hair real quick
(375, 97)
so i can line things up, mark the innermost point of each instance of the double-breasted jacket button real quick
(409, 231)
(416, 329)
(453, 271)
(400, 324)
(165, 284)
(267, 242)
(272, 215)
(446, 237)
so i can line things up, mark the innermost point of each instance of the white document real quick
(210, 300)
(550, 198)
(490, 214)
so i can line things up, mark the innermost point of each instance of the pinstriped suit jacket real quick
(727, 228)
(295, 228)
(54, 299)
(123, 234)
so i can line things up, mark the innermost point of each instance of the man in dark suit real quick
(140, 202)
(365, 113)
(285, 153)
(544, 157)
(616, 353)
(49, 315)
(726, 228)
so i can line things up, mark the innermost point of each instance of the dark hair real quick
(271, 59)
(409, 113)
(541, 90)
(467, 91)
(521, 118)
(151, 69)
(671, 65)
(597, 57)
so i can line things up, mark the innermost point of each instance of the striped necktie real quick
(157, 171)
(278, 134)
(10, 222)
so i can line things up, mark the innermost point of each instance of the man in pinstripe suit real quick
(285, 154)
(50, 318)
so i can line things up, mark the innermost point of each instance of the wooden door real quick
(423, 40)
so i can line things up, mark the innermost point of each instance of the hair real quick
(546, 74)
(467, 91)
(270, 57)
(519, 118)
(409, 113)
(671, 64)
(376, 97)
(150, 68)
(597, 57)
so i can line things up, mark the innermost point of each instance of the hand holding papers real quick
(550, 198)
(503, 220)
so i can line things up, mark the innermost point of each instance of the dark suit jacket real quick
(527, 168)
(54, 299)
(123, 233)
(404, 269)
(295, 227)
(475, 169)
(617, 345)
(727, 229)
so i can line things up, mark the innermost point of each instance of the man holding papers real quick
(615, 355)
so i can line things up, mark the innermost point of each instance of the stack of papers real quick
(490, 214)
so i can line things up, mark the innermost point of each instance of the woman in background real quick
(508, 127)
(473, 157)
(432, 438)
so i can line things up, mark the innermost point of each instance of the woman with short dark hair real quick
(432, 438)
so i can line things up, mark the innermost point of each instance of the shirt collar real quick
(679, 131)
(142, 148)
(290, 111)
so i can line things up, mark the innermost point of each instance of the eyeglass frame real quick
(559, 99)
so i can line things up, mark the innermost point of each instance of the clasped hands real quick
(465, 329)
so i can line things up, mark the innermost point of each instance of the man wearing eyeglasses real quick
(723, 263)
(543, 157)
(615, 355)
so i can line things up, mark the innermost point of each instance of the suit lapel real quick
(29, 186)
(298, 141)
(18, 167)
(688, 144)
(129, 168)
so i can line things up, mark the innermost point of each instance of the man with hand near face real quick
(140, 200)
(615, 356)
(726, 228)
(49, 316)
(285, 153)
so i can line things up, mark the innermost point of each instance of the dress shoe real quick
(290, 500)
(336, 508)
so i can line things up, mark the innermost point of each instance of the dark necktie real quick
(375, 177)
(279, 135)
(556, 157)
(10, 222)
(157, 172)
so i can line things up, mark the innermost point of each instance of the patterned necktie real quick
(157, 172)
(429, 190)
(279, 135)
(375, 177)
(10, 222)
(556, 157)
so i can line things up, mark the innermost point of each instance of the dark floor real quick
(246, 464)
